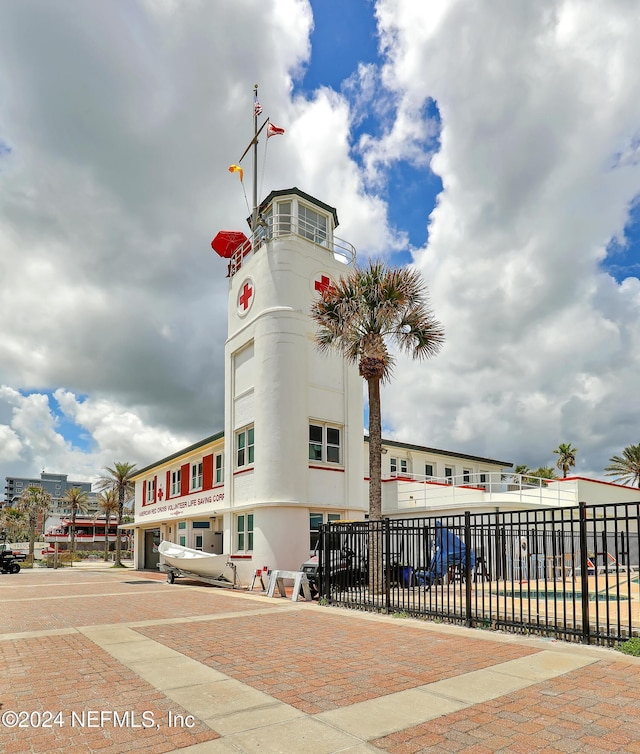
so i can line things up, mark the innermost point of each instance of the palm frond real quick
(626, 468)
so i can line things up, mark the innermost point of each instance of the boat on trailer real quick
(177, 560)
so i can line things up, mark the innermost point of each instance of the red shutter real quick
(207, 472)
(155, 489)
(184, 479)
(167, 486)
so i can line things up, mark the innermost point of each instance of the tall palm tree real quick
(357, 316)
(78, 500)
(626, 467)
(35, 503)
(119, 478)
(108, 504)
(566, 457)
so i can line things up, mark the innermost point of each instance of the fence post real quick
(584, 575)
(467, 567)
(325, 587)
(387, 565)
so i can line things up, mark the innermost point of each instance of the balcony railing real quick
(425, 492)
(284, 226)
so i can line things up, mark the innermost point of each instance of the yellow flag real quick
(237, 169)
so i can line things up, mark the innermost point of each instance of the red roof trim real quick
(597, 481)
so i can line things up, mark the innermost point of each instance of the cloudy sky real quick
(496, 146)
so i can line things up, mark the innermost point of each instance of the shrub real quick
(631, 646)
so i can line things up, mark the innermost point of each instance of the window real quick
(245, 447)
(150, 490)
(448, 473)
(466, 476)
(396, 464)
(183, 541)
(175, 482)
(196, 476)
(315, 522)
(312, 225)
(199, 542)
(284, 218)
(182, 524)
(244, 531)
(324, 443)
(201, 525)
(428, 469)
(315, 442)
(219, 468)
(333, 445)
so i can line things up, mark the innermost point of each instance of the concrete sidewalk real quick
(97, 659)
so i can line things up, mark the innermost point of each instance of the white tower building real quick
(293, 417)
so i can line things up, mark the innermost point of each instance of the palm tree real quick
(626, 467)
(119, 479)
(35, 503)
(78, 500)
(566, 457)
(108, 504)
(13, 520)
(357, 316)
(543, 472)
(515, 478)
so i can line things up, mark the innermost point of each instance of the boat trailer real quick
(174, 573)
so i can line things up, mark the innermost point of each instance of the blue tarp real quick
(450, 550)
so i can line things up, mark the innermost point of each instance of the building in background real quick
(56, 485)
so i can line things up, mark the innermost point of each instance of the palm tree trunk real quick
(118, 561)
(32, 539)
(106, 537)
(375, 451)
(73, 535)
(376, 575)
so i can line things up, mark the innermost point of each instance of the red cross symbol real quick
(322, 284)
(247, 292)
(160, 493)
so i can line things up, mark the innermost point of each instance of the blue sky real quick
(336, 52)
(495, 147)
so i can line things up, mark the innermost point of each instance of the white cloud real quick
(10, 445)
(542, 345)
(122, 118)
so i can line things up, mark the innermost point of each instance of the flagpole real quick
(254, 222)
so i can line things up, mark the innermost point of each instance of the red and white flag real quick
(273, 130)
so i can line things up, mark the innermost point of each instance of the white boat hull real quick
(193, 561)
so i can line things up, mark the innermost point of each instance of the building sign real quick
(180, 506)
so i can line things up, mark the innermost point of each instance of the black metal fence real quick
(572, 573)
